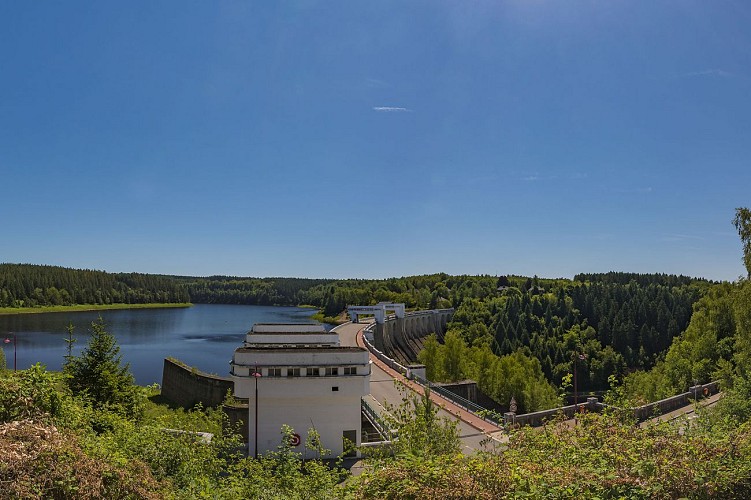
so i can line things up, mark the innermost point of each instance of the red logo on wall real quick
(295, 440)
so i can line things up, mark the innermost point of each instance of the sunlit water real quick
(203, 336)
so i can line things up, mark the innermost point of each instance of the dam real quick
(400, 335)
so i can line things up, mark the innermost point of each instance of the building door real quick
(349, 439)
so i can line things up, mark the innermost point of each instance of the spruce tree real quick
(99, 375)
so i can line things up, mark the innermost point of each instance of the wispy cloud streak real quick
(391, 109)
(707, 72)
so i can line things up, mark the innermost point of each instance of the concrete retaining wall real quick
(667, 405)
(237, 416)
(641, 413)
(186, 386)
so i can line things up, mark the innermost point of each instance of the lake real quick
(204, 336)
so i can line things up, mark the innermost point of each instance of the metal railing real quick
(534, 418)
(378, 423)
(382, 356)
(464, 403)
(474, 408)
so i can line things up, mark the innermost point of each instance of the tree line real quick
(608, 324)
(27, 285)
(716, 345)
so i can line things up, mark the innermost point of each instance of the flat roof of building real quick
(281, 348)
(288, 328)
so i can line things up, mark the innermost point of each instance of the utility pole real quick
(256, 375)
(15, 349)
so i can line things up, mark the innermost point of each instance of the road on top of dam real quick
(472, 429)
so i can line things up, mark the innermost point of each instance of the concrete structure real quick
(379, 311)
(400, 336)
(186, 386)
(300, 376)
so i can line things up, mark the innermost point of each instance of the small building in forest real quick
(298, 375)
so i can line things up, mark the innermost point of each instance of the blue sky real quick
(375, 139)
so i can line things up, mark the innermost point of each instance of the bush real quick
(98, 376)
(40, 461)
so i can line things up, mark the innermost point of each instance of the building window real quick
(350, 370)
(293, 372)
(335, 389)
(275, 372)
(332, 371)
(311, 372)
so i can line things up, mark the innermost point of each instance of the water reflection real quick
(204, 335)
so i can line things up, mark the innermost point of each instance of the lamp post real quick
(15, 350)
(577, 357)
(256, 375)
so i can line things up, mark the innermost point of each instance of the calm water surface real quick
(203, 336)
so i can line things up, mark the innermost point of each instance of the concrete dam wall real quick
(401, 338)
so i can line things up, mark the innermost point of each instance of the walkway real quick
(688, 410)
(472, 429)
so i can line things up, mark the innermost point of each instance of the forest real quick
(27, 285)
(517, 336)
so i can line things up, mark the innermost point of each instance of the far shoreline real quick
(10, 311)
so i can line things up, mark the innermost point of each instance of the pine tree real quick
(742, 223)
(98, 375)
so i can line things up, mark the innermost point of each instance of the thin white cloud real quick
(391, 109)
(641, 190)
(537, 177)
(707, 72)
(680, 237)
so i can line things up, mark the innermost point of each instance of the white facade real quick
(307, 381)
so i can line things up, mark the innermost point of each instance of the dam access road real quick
(474, 432)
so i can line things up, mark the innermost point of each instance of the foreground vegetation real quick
(58, 443)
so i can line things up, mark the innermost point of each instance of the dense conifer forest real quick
(26, 285)
(505, 329)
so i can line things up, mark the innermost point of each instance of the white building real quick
(307, 380)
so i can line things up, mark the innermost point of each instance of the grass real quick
(332, 320)
(87, 307)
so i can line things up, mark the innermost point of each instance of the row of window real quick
(329, 371)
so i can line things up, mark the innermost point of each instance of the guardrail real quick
(382, 427)
(538, 418)
(672, 403)
(459, 401)
(380, 355)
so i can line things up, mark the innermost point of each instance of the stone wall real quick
(185, 386)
